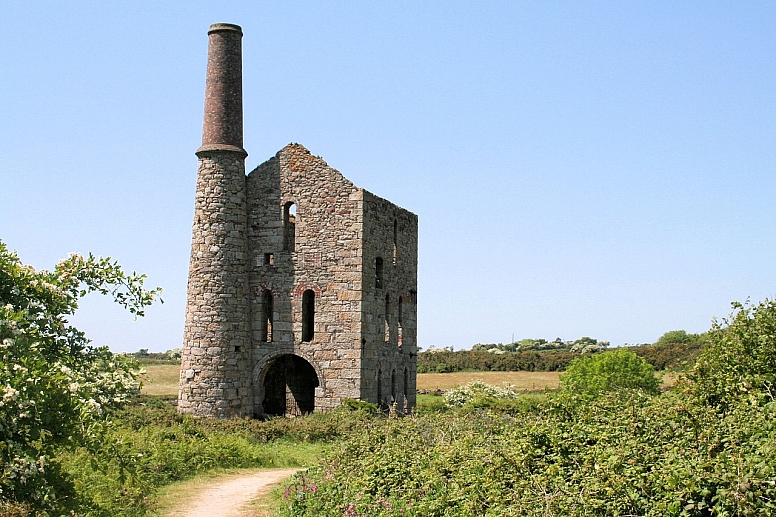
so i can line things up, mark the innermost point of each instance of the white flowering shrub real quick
(468, 393)
(55, 386)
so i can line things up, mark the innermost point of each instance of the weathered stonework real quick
(302, 286)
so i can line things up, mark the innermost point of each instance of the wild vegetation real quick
(601, 373)
(76, 440)
(149, 445)
(56, 388)
(707, 447)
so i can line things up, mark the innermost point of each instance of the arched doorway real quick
(289, 386)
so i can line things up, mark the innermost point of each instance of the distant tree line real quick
(582, 345)
(673, 350)
(445, 361)
(143, 356)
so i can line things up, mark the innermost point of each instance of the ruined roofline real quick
(299, 148)
(389, 202)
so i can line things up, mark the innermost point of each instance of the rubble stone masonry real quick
(302, 286)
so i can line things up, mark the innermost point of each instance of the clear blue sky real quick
(579, 168)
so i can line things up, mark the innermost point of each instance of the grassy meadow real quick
(160, 379)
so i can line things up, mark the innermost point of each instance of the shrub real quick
(665, 356)
(55, 387)
(475, 391)
(360, 405)
(741, 359)
(596, 374)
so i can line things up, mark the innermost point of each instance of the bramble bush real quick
(707, 447)
(56, 388)
(620, 454)
(741, 361)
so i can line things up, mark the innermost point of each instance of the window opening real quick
(393, 387)
(380, 389)
(269, 259)
(289, 226)
(387, 318)
(379, 272)
(399, 329)
(406, 401)
(268, 316)
(395, 239)
(308, 315)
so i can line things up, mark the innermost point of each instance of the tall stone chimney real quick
(215, 359)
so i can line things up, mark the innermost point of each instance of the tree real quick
(588, 345)
(741, 358)
(674, 336)
(55, 387)
(592, 375)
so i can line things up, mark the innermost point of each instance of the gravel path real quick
(232, 498)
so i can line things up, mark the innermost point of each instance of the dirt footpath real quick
(232, 497)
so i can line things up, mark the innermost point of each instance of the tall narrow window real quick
(308, 315)
(379, 272)
(387, 318)
(380, 388)
(400, 324)
(406, 402)
(289, 226)
(268, 315)
(393, 387)
(395, 239)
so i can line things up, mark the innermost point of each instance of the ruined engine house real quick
(302, 286)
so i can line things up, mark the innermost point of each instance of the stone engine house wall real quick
(390, 257)
(302, 286)
(328, 249)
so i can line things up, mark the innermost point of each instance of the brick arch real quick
(301, 288)
(296, 299)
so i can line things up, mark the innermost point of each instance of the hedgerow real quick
(663, 356)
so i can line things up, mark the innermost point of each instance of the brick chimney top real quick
(222, 129)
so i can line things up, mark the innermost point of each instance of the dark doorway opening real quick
(289, 386)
